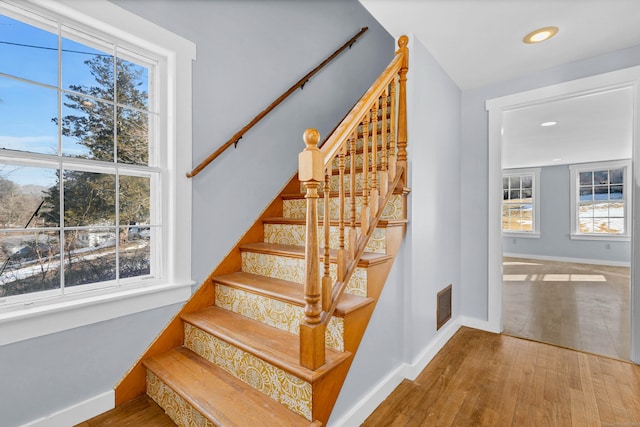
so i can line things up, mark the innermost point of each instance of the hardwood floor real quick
(579, 306)
(484, 379)
(140, 412)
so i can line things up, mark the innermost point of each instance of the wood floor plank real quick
(142, 411)
(485, 379)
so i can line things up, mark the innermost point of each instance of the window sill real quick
(532, 235)
(37, 320)
(609, 237)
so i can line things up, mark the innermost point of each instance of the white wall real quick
(474, 238)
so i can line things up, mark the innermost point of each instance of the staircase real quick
(244, 350)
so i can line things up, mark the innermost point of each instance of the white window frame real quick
(535, 201)
(627, 190)
(175, 55)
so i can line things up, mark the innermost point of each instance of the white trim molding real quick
(176, 55)
(623, 78)
(77, 413)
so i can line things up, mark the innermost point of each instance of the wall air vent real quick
(443, 311)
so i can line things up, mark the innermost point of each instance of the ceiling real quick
(479, 43)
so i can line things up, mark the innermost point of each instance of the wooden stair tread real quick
(285, 290)
(216, 394)
(293, 251)
(273, 345)
(382, 223)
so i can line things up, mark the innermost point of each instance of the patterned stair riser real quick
(334, 183)
(335, 166)
(181, 412)
(297, 208)
(279, 314)
(294, 234)
(292, 269)
(279, 385)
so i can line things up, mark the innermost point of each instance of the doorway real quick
(499, 110)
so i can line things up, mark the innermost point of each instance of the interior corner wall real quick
(474, 164)
(248, 53)
(555, 228)
(429, 258)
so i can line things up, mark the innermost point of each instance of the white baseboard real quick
(362, 409)
(444, 335)
(483, 325)
(77, 413)
(568, 259)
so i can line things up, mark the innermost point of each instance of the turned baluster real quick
(392, 132)
(364, 209)
(402, 105)
(326, 278)
(341, 252)
(310, 173)
(352, 194)
(384, 176)
(373, 193)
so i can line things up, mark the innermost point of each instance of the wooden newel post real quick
(311, 174)
(402, 105)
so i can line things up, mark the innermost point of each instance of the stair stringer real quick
(133, 383)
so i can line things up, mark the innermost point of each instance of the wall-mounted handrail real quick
(300, 84)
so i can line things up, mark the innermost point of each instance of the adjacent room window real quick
(520, 202)
(600, 200)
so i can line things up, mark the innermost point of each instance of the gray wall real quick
(44, 375)
(249, 52)
(474, 239)
(555, 226)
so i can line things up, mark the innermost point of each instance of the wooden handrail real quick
(332, 145)
(300, 84)
(321, 296)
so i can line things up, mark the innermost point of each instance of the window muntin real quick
(76, 170)
(600, 199)
(519, 202)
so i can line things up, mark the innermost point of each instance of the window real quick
(77, 125)
(89, 160)
(600, 202)
(520, 202)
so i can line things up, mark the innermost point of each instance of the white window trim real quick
(535, 196)
(574, 170)
(38, 319)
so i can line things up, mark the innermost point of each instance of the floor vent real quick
(443, 311)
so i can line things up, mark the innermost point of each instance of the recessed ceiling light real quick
(547, 124)
(540, 35)
(557, 159)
